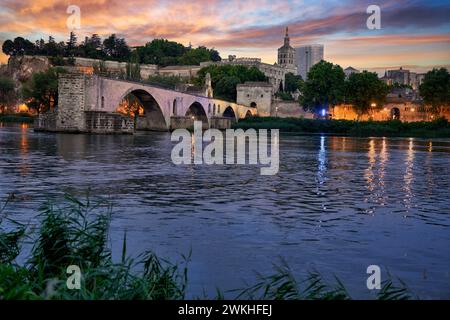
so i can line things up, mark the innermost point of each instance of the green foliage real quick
(435, 89)
(282, 285)
(324, 87)
(164, 53)
(363, 89)
(76, 233)
(19, 46)
(393, 128)
(7, 92)
(116, 48)
(159, 51)
(42, 89)
(169, 82)
(17, 118)
(293, 82)
(225, 78)
(133, 68)
(284, 96)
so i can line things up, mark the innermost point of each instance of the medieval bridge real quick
(89, 103)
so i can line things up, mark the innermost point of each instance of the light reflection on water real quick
(338, 204)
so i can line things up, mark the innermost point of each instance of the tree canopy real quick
(159, 51)
(324, 87)
(7, 92)
(365, 89)
(41, 91)
(435, 89)
(225, 78)
(293, 82)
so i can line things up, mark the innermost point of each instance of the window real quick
(174, 111)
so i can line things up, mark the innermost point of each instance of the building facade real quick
(403, 77)
(306, 56)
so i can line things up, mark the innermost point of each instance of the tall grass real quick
(77, 232)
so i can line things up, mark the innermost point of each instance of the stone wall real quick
(221, 123)
(289, 109)
(46, 121)
(71, 102)
(257, 95)
(104, 122)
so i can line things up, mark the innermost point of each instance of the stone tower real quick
(208, 86)
(286, 54)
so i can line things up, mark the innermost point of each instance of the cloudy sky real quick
(414, 33)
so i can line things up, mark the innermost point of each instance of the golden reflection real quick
(430, 147)
(382, 171)
(369, 175)
(24, 166)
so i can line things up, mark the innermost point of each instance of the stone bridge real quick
(89, 103)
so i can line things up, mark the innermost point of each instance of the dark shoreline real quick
(439, 128)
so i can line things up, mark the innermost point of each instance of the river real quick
(338, 204)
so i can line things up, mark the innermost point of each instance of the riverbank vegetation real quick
(76, 233)
(393, 128)
(17, 118)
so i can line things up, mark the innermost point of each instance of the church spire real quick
(286, 37)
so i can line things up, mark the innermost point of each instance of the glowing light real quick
(413, 109)
(385, 109)
(373, 105)
(23, 108)
(323, 112)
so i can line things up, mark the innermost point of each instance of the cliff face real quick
(21, 68)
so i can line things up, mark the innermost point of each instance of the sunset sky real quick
(414, 34)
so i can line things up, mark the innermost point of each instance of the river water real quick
(338, 204)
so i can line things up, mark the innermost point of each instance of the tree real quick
(161, 52)
(324, 87)
(226, 88)
(42, 89)
(435, 89)
(116, 48)
(19, 46)
(225, 78)
(133, 68)
(8, 48)
(293, 82)
(71, 44)
(7, 92)
(365, 89)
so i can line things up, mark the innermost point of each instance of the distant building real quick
(349, 71)
(256, 95)
(403, 77)
(306, 56)
(286, 54)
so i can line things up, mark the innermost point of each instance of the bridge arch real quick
(151, 117)
(197, 112)
(229, 113)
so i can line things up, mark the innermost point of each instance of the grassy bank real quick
(438, 128)
(77, 232)
(17, 118)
